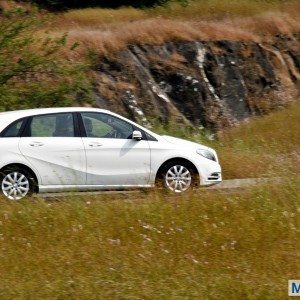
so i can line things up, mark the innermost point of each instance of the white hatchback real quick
(84, 149)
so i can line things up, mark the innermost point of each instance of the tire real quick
(16, 183)
(177, 177)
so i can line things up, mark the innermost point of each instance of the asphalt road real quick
(225, 185)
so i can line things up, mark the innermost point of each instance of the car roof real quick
(8, 117)
(41, 111)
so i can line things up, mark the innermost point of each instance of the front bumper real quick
(212, 179)
(209, 172)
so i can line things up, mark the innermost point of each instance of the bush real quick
(31, 72)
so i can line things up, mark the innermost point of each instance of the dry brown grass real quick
(110, 30)
(91, 17)
(196, 11)
(10, 4)
(107, 39)
(152, 31)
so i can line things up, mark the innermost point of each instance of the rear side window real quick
(13, 130)
(55, 125)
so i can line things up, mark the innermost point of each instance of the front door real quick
(113, 157)
(51, 147)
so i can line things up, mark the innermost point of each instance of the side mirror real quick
(137, 135)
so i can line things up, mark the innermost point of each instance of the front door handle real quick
(95, 144)
(36, 144)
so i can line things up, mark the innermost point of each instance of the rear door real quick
(113, 157)
(51, 146)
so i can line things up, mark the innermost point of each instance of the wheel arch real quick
(176, 159)
(25, 168)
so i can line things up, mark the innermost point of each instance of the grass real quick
(210, 245)
(263, 146)
(238, 244)
(111, 39)
(100, 16)
(109, 30)
(196, 10)
(268, 146)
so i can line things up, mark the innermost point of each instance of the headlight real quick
(207, 154)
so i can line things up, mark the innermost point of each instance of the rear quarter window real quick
(14, 129)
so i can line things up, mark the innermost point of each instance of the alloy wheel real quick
(178, 179)
(15, 186)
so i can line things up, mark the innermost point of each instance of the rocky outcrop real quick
(214, 84)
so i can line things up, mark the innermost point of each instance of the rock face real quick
(214, 84)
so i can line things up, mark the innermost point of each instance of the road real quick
(243, 183)
(225, 185)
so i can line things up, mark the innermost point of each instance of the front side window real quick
(99, 125)
(55, 125)
(14, 129)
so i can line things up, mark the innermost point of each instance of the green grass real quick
(263, 146)
(238, 244)
(210, 245)
(267, 146)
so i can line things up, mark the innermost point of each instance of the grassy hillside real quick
(195, 10)
(268, 146)
(108, 30)
(263, 146)
(240, 244)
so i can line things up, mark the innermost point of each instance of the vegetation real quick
(264, 146)
(109, 30)
(209, 244)
(195, 10)
(64, 4)
(240, 244)
(268, 146)
(31, 72)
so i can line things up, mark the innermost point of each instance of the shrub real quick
(31, 72)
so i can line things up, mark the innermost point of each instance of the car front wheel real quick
(178, 177)
(16, 184)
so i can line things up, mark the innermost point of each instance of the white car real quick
(84, 149)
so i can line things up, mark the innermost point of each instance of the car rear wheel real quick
(178, 177)
(16, 184)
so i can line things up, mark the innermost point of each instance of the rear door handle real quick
(95, 144)
(36, 144)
